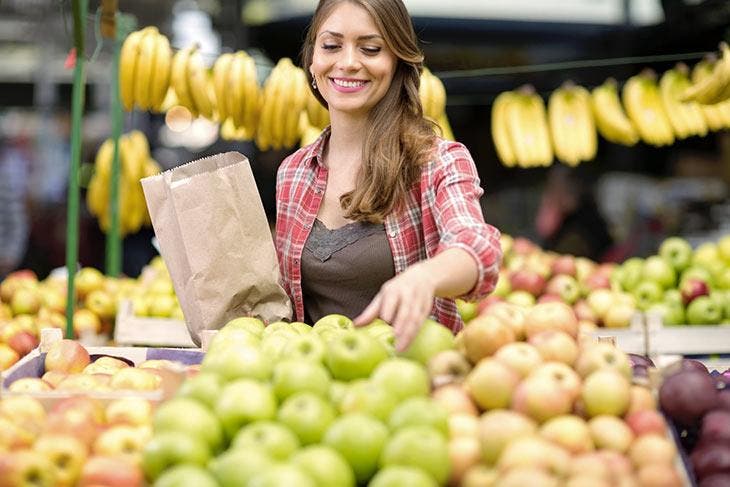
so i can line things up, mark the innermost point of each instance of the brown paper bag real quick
(216, 242)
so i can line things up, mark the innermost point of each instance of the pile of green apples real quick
(682, 284)
(296, 405)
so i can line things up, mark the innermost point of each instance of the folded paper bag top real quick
(215, 240)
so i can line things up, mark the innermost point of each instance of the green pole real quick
(72, 210)
(113, 238)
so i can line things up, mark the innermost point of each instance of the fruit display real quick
(682, 284)
(144, 70)
(656, 110)
(135, 163)
(152, 293)
(69, 368)
(531, 275)
(433, 99)
(293, 404)
(699, 405)
(531, 403)
(77, 441)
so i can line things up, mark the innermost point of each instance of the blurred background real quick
(623, 203)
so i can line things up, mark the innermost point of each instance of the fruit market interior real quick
(140, 144)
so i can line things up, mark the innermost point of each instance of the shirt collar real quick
(316, 150)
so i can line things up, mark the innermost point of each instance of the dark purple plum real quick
(716, 480)
(687, 395)
(711, 459)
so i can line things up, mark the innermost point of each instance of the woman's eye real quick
(329, 47)
(371, 50)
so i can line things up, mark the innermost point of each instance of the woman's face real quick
(351, 64)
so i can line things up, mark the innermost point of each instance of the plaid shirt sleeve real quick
(458, 215)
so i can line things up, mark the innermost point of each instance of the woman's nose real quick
(350, 60)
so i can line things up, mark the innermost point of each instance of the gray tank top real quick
(343, 269)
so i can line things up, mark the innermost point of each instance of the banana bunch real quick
(611, 121)
(144, 69)
(432, 93)
(283, 100)
(714, 88)
(717, 116)
(571, 123)
(520, 129)
(685, 116)
(644, 106)
(237, 92)
(136, 163)
(191, 80)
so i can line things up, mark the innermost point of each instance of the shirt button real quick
(296, 261)
(318, 191)
(392, 234)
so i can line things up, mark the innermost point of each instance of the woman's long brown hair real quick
(398, 139)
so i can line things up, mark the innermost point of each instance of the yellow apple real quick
(132, 378)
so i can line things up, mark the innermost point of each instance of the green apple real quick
(672, 313)
(278, 326)
(305, 347)
(503, 287)
(722, 278)
(431, 339)
(419, 411)
(190, 417)
(660, 271)
(272, 438)
(308, 415)
(421, 447)
(235, 468)
(383, 332)
(467, 309)
(282, 475)
(242, 402)
(672, 296)
(274, 344)
(677, 252)
(360, 439)
(232, 338)
(252, 325)
(169, 448)
(707, 256)
(363, 396)
(402, 378)
(292, 376)
(205, 387)
(630, 275)
(325, 465)
(723, 248)
(354, 354)
(338, 389)
(647, 293)
(704, 310)
(237, 363)
(301, 328)
(696, 272)
(186, 476)
(333, 321)
(521, 298)
(400, 476)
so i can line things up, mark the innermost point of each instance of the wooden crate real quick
(152, 332)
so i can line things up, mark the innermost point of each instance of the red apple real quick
(610, 433)
(564, 264)
(551, 316)
(86, 322)
(583, 311)
(512, 315)
(521, 357)
(498, 428)
(659, 475)
(646, 421)
(693, 288)
(464, 453)
(484, 336)
(555, 346)
(23, 342)
(491, 384)
(597, 280)
(110, 472)
(566, 287)
(533, 451)
(67, 455)
(569, 432)
(26, 468)
(541, 398)
(527, 280)
(563, 374)
(652, 449)
(30, 384)
(549, 298)
(67, 356)
(25, 301)
(455, 399)
(642, 399)
(523, 246)
(488, 302)
(54, 377)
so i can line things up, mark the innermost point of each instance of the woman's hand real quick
(405, 302)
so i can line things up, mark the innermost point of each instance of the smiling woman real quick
(379, 217)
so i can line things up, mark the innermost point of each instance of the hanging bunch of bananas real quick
(611, 121)
(191, 80)
(144, 70)
(520, 129)
(317, 115)
(714, 88)
(136, 163)
(644, 106)
(237, 92)
(433, 100)
(717, 116)
(283, 100)
(571, 123)
(685, 116)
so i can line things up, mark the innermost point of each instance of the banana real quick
(145, 68)
(715, 88)
(563, 122)
(714, 115)
(199, 84)
(267, 134)
(221, 71)
(295, 108)
(283, 86)
(686, 117)
(644, 106)
(128, 67)
(522, 136)
(251, 96)
(536, 122)
(500, 129)
(179, 79)
(611, 120)
(438, 104)
(446, 131)
(103, 159)
(316, 112)
(160, 82)
(235, 84)
(425, 92)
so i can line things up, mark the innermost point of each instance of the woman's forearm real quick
(455, 272)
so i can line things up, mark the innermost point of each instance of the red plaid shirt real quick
(442, 211)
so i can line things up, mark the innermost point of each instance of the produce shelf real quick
(154, 332)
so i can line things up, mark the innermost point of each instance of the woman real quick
(379, 217)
